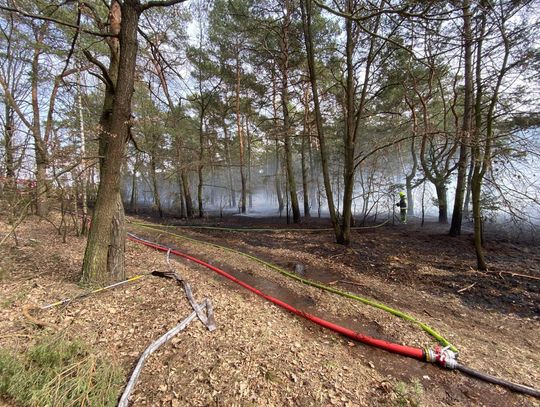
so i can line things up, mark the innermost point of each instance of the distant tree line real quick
(317, 105)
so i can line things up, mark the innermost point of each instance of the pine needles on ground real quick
(59, 372)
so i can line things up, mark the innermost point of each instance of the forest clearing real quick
(269, 203)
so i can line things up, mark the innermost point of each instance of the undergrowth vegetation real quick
(409, 394)
(59, 372)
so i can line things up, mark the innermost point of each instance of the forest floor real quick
(261, 355)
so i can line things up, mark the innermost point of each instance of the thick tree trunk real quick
(41, 187)
(187, 194)
(182, 213)
(117, 246)
(457, 214)
(442, 202)
(104, 256)
(291, 182)
(349, 136)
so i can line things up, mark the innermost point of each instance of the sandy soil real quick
(263, 356)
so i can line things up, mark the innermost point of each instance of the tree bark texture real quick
(457, 214)
(187, 194)
(284, 44)
(442, 200)
(241, 141)
(155, 186)
(306, 7)
(104, 256)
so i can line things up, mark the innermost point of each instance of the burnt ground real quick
(261, 355)
(396, 253)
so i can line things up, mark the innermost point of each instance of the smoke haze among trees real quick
(291, 108)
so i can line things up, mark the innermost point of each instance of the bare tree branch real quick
(55, 20)
(389, 144)
(165, 3)
(73, 42)
(401, 11)
(104, 71)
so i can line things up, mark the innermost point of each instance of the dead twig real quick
(15, 335)
(519, 275)
(466, 288)
(350, 282)
(427, 312)
(511, 273)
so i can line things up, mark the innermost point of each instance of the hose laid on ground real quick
(501, 382)
(442, 357)
(226, 229)
(415, 353)
(97, 290)
(400, 314)
(197, 310)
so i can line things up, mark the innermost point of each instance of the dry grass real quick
(59, 372)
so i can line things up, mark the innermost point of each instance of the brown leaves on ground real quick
(261, 355)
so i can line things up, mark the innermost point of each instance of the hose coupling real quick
(442, 356)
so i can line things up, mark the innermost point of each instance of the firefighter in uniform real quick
(402, 207)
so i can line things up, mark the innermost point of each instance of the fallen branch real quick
(518, 275)
(153, 347)
(207, 320)
(511, 273)
(466, 288)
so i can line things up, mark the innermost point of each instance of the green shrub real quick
(59, 373)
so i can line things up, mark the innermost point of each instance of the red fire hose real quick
(442, 357)
(415, 353)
